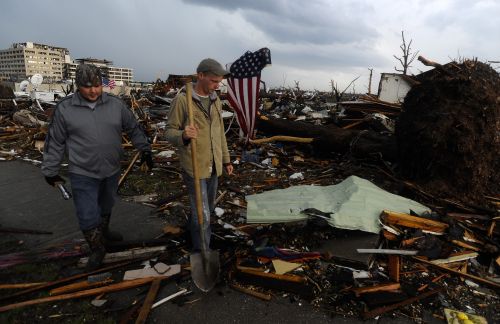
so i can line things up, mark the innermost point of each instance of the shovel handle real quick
(194, 160)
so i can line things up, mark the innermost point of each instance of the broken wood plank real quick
(423, 287)
(150, 298)
(266, 297)
(282, 139)
(85, 293)
(466, 245)
(456, 258)
(78, 286)
(384, 309)
(465, 275)
(283, 277)
(136, 156)
(126, 255)
(382, 287)
(65, 280)
(402, 219)
(21, 285)
(394, 267)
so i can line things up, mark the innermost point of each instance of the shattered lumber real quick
(332, 138)
(64, 280)
(382, 287)
(489, 283)
(85, 293)
(282, 139)
(266, 297)
(150, 298)
(126, 255)
(78, 286)
(136, 156)
(21, 285)
(402, 219)
(381, 310)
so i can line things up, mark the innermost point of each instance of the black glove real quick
(53, 180)
(148, 158)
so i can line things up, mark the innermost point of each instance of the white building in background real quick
(23, 60)
(121, 75)
(393, 87)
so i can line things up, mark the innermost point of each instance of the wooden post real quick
(150, 298)
(394, 267)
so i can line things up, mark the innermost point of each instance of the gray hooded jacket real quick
(92, 137)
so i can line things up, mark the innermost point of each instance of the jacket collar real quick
(196, 97)
(78, 100)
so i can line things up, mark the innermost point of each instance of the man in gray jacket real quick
(88, 127)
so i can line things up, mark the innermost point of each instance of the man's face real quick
(91, 93)
(209, 82)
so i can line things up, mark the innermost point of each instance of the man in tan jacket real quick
(211, 145)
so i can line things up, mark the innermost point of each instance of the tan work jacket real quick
(211, 145)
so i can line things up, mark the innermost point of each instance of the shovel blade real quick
(205, 269)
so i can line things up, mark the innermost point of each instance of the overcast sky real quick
(311, 41)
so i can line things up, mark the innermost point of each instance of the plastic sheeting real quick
(355, 204)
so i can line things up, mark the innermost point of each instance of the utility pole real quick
(370, 81)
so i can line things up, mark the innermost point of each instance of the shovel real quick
(204, 264)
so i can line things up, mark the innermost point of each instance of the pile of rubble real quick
(438, 254)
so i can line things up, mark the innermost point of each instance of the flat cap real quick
(209, 65)
(88, 75)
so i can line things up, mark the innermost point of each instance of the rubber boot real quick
(111, 236)
(95, 240)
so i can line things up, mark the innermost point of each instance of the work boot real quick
(95, 240)
(109, 235)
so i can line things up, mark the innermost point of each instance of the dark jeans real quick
(93, 198)
(208, 191)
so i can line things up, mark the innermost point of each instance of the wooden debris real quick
(64, 280)
(85, 293)
(456, 258)
(381, 310)
(78, 286)
(464, 275)
(282, 139)
(382, 287)
(126, 255)
(394, 267)
(136, 156)
(21, 285)
(402, 219)
(150, 298)
(266, 297)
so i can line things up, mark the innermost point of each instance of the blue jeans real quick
(92, 198)
(208, 191)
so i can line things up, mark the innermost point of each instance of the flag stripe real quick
(244, 85)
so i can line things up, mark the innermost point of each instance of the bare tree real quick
(335, 89)
(407, 57)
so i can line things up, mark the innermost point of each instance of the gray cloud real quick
(314, 39)
(295, 22)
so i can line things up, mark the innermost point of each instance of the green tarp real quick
(356, 203)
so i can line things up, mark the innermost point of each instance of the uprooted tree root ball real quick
(448, 132)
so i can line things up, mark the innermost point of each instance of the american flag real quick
(108, 83)
(244, 85)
